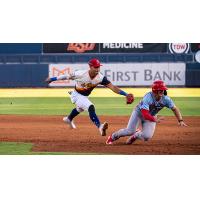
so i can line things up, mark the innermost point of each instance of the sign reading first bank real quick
(131, 74)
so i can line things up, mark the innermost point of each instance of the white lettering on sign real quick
(123, 45)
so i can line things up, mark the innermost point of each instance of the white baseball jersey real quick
(84, 84)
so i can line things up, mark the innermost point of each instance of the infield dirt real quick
(51, 134)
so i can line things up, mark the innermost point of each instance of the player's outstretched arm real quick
(49, 80)
(129, 97)
(61, 77)
(178, 115)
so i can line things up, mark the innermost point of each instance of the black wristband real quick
(180, 120)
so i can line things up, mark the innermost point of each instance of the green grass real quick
(105, 106)
(19, 148)
(13, 148)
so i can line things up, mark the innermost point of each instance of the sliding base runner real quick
(145, 115)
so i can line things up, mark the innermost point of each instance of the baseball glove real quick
(129, 98)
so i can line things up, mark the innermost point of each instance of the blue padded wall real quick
(26, 75)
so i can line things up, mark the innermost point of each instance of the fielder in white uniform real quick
(86, 81)
(145, 114)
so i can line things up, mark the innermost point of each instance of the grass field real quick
(19, 148)
(189, 106)
(8, 148)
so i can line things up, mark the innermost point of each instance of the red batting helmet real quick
(158, 85)
(94, 63)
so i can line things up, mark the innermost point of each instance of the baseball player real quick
(145, 114)
(86, 81)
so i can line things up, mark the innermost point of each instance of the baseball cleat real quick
(131, 139)
(109, 140)
(102, 129)
(70, 123)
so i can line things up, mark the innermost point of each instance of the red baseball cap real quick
(94, 63)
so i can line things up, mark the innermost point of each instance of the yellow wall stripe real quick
(98, 92)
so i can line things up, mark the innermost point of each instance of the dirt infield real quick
(50, 134)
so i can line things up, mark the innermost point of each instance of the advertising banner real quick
(133, 47)
(104, 48)
(70, 48)
(131, 74)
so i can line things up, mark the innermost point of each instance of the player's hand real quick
(182, 123)
(48, 80)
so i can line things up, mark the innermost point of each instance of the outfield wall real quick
(32, 75)
(121, 74)
(125, 64)
(193, 75)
